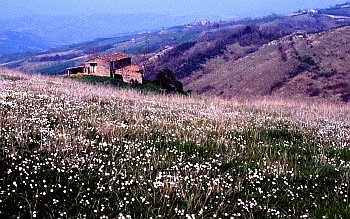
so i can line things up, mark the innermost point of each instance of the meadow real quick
(76, 150)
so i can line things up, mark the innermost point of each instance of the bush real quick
(166, 80)
(307, 60)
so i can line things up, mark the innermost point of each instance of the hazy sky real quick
(233, 8)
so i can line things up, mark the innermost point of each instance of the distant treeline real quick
(54, 58)
(88, 51)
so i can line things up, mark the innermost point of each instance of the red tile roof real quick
(110, 57)
(134, 68)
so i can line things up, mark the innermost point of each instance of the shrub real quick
(166, 79)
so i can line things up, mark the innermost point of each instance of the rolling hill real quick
(67, 30)
(295, 66)
(250, 57)
(142, 46)
(20, 42)
(214, 41)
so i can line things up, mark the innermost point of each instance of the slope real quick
(184, 49)
(298, 65)
(187, 58)
(19, 42)
(68, 149)
(66, 30)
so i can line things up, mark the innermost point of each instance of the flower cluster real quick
(75, 150)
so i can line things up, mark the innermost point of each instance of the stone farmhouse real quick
(109, 65)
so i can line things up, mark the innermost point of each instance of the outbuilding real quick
(115, 65)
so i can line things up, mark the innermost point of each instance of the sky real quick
(222, 8)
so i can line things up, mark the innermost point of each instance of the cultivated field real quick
(72, 150)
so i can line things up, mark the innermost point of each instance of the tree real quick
(166, 79)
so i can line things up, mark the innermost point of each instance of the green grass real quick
(147, 86)
(292, 193)
(102, 152)
(154, 42)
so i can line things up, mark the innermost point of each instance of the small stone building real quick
(110, 65)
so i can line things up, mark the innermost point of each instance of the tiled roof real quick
(132, 68)
(110, 57)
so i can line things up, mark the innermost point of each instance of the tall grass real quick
(70, 149)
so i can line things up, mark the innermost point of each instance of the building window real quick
(92, 68)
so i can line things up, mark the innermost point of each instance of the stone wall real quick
(129, 76)
(102, 67)
(115, 65)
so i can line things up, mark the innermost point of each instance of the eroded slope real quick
(298, 65)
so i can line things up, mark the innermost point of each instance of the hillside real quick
(182, 48)
(20, 42)
(187, 58)
(74, 29)
(296, 66)
(258, 57)
(71, 150)
(140, 46)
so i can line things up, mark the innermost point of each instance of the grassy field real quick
(73, 150)
(145, 87)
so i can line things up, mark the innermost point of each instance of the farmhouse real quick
(109, 65)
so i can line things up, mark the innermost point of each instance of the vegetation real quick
(72, 150)
(166, 80)
(147, 86)
(298, 65)
(97, 49)
(189, 57)
(191, 45)
(165, 84)
(264, 19)
(54, 58)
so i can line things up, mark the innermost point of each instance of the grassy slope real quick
(330, 51)
(265, 71)
(147, 86)
(74, 150)
(212, 42)
(251, 75)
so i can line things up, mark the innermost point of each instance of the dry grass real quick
(268, 71)
(75, 150)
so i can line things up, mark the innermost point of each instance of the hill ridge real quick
(283, 61)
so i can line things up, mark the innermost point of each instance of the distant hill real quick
(187, 58)
(141, 46)
(296, 66)
(19, 42)
(249, 57)
(66, 30)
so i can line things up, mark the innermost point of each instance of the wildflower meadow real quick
(74, 150)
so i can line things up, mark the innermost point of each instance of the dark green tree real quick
(166, 80)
